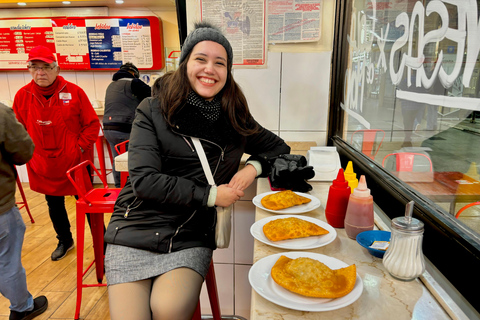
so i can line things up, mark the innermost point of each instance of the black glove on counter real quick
(289, 171)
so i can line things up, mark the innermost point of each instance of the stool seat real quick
(96, 202)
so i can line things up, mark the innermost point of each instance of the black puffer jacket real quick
(163, 206)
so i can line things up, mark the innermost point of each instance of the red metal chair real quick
(211, 284)
(368, 140)
(122, 148)
(22, 203)
(466, 207)
(404, 161)
(99, 145)
(96, 202)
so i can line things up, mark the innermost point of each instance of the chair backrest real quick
(121, 147)
(370, 140)
(81, 179)
(466, 207)
(405, 161)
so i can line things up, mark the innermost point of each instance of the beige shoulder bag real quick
(224, 215)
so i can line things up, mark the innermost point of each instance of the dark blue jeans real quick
(115, 137)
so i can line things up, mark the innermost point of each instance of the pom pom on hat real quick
(205, 31)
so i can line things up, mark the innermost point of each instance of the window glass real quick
(411, 97)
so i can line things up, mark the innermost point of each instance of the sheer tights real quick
(173, 295)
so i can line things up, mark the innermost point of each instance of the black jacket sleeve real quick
(140, 89)
(263, 147)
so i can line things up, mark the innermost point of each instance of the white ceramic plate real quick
(262, 282)
(307, 207)
(295, 244)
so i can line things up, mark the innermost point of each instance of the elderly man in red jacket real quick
(64, 126)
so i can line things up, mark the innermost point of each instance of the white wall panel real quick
(224, 275)
(244, 217)
(4, 93)
(305, 89)
(243, 291)
(16, 80)
(261, 88)
(85, 80)
(102, 80)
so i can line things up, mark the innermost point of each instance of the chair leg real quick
(80, 248)
(101, 156)
(213, 293)
(97, 226)
(25, 204)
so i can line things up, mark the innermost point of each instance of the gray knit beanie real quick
(205, 31)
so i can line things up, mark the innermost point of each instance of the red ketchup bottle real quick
(337, 201)
(359, 215)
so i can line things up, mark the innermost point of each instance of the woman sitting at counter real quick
(162, 234)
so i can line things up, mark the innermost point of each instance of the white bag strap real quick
(204, 161)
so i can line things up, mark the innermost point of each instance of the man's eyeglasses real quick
(36, 68)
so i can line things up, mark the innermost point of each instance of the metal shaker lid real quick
(407, 223)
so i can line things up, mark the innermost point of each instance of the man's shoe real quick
(62, 249)
(40, 304)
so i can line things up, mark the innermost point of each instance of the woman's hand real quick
(243, 178)
(227, 195)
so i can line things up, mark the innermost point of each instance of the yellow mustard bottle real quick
(351, 176)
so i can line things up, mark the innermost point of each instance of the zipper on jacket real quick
(222, 154)
(178, 230)
(186, 140)
(130, 209)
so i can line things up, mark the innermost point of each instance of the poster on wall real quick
(294, 21)
(243, 23)
(99, 43)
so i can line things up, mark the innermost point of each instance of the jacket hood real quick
(120, 74)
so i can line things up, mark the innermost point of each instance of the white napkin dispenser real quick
(325, 162)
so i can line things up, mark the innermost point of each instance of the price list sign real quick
(103, 43)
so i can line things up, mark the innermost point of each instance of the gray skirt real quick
(125, 264)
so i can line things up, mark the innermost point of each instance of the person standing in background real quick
(16, 148)
(122, 97)
(64, 126)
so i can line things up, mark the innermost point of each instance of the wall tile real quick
(261, 88)
(4, 93)
(70, 76)
(101, 80)
(243, 291)
(224, 274)
(16, 80)
(244, 217)
(226, 255)
(85, 80)
(305, 91)
(319, 137)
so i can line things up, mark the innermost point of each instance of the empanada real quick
(291, 228)
(312, 278)
(283, 199)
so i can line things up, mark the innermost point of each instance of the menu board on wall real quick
(99, 43)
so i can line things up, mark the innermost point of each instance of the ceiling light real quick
(66, 2)
(21, 3)
(119, 1)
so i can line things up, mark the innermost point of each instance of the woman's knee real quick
(175, 294)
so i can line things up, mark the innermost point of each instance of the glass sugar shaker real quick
(404, 258)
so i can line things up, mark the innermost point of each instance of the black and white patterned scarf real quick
(209, 109)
